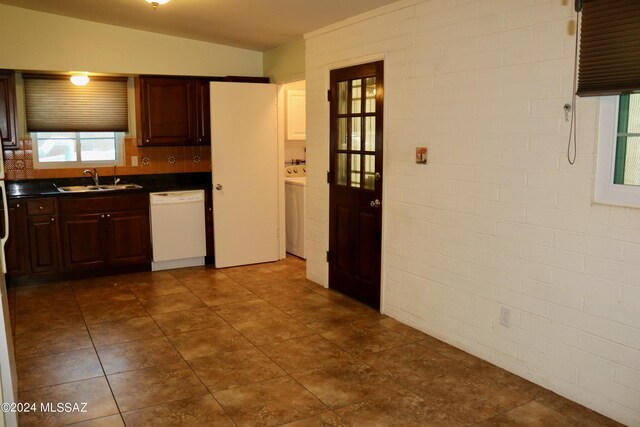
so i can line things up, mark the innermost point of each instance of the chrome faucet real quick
(94, 175)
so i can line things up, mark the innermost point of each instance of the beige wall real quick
(285, 63)
(32, 40)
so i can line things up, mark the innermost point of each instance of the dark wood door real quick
(167, 111)
(43, 243)
(8, 117)
(83, 242)
(15, 250)
(129, 238)
(355, 178)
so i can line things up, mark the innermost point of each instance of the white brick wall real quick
(497, 218)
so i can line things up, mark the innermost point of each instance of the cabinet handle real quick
(147, 141)
(102, 216)
(210, 209)
(41, 207)
(108, 216)
(53, 219)
(18, 205)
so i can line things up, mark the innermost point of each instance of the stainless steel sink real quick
(93, 188)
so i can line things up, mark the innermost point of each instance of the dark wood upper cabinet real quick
(8, 116)
(166, 111)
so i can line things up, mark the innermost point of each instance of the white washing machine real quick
(294, 188)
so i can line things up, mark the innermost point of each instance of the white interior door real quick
(244, 163)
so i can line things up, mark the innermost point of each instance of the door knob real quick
(375, 203)
(218, 187)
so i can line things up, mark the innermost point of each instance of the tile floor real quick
(252, 346)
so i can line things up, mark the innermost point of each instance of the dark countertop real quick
(149, 183)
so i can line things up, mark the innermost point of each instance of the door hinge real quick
(328, 256)
(329, 95)
(328, 177)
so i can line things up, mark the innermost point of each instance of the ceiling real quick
(251, 24)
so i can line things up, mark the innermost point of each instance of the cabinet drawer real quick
(41, 207)
(104, 204)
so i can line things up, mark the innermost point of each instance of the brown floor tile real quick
(225, 295)
(269, 403)
(189, 320)
(306, 353)
(234, 368)
(269, 330)
(111, 421)
(40, 320)
(42, 371)
(532, 414)
(411, 364)
(139, 354)
(400, 408)
(456, 395)
(341, 385)
(136, 328)
(326, 419)
(52, 341)
(246, 311)
(111, 312)
(172, 302)
(299, 302)
(208, 342)
(95, 392)
(196, 411)
(402, 329)
(144, 277)
(115, 293)
(326, 318)
(366, 337)
(153, 386)
(584, 416)
(203, 284)
(156, 288)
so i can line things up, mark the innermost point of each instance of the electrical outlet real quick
(505, 316)
(134, 160)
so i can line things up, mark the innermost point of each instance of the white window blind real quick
(54, 104)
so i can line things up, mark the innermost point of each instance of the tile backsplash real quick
(18, 163)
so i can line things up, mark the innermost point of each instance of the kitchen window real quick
(76, 149)
(618, 166)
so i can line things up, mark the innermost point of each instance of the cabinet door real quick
(203, 111)
(129, 237)
(83, 242)
(43, 243)
(167, 111)
(8, 118)
(15, 251)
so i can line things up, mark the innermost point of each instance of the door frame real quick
(382, 56)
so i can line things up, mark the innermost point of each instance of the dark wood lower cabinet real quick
(83, 242)
(129, 237)
(73, 237)
(43, 243)
(16, 249)
(105, 232)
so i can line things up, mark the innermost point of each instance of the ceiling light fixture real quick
(156, 3)
(79, 79)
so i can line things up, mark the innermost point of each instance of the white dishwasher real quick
(177, 229)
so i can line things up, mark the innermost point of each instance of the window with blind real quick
(76, 126)
(608, 68)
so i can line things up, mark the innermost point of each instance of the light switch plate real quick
(134, 160)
